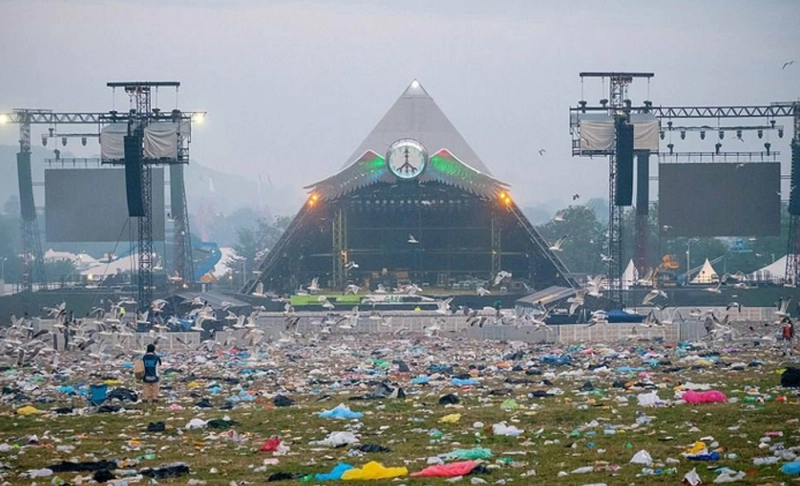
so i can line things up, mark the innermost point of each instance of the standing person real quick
(787, 333)
(151, 363)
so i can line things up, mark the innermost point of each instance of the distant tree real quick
(585, 239)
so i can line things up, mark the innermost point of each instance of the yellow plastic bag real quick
(374, 470)
(450, 419)
(28, 410)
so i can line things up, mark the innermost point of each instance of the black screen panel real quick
(722, 199)
(90, 205)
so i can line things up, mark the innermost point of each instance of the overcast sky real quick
(293, 87)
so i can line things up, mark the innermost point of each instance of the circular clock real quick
(407, 158)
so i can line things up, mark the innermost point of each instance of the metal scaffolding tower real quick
(617, 105)
(141, 114)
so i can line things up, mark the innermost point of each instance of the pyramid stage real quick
(413, 205)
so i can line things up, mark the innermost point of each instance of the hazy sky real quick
(293, 87)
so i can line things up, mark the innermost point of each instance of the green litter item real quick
(629, 446)
(509, 404)
(470, 454)
(749, 399)
(380, 363)
(575, 433)
(307, 478)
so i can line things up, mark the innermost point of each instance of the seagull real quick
(606, 258)
(787, 64)
(482, 291)
(783, 307)
(501, 275)
(576, 196)
(542, 152)
(557, 245)
(314, 287)
(412, 240)
(259, 292)
(577, 301)
(595, 285)
(715, 290)
(732, 305)
(559, 217)
(652, 295)
(352, 289)
(351, 265)
(443, 306)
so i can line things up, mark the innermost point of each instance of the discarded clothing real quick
(156, 427)
(282, 401)
(373, 448)
(448, 399)
(66, 466)
(168, 471)
(446, 470)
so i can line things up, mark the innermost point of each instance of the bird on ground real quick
(292, 322)
(787, 64)
(557, 245)
(314, 287)
(412, 240)
(715, 290)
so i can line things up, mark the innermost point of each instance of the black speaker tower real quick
(624, 162)
(133, 175)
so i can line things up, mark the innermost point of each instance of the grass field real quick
(556, 436)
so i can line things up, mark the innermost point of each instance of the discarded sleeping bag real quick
(446, 470)
(791, 378)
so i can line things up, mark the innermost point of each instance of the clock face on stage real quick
(407, 159)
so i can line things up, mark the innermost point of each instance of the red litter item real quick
(773, 434)
(271, 445)
(447, 470)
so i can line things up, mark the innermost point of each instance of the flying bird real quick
(787, 64)
(542, 152)
(576, 196)
(412, 240)
(557, 245)
(559, 217)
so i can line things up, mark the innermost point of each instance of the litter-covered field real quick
(418, 411)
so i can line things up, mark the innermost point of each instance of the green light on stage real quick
(446, 165)
(375, 164)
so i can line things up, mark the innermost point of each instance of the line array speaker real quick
(25, 179)
(133, 175)
(624, 161)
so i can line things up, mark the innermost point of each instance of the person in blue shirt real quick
(151, 363)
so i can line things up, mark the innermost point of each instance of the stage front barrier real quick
(397, 325)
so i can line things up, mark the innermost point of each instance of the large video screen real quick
(719, 199)
(89, 205)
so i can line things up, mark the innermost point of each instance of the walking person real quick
(787, 333)
(151, 363)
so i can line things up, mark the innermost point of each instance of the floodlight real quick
(721, 134)
(683, 134)
(44, 140)
(767, 146)
(702, 134)
(780, 133)
(760, 133)
(4, 118)
(198, 117)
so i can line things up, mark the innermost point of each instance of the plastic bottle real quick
(147, 457)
